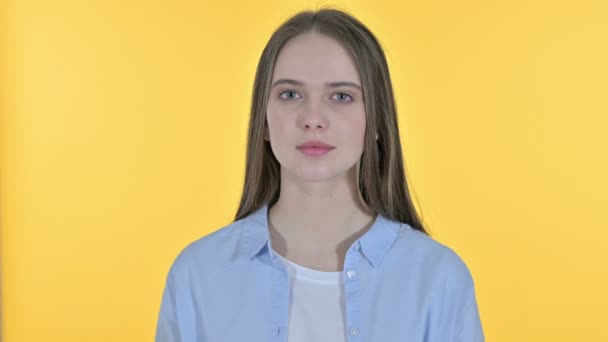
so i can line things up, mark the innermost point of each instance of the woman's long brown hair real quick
(380, 178)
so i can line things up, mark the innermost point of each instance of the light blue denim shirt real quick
(399, 284)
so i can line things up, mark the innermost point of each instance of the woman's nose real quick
(313, 116)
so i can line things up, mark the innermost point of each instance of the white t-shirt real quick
(316, 304)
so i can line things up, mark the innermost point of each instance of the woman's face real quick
(316, 95)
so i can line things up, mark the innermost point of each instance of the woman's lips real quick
(315, 151)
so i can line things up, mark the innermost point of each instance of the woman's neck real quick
(317, 221)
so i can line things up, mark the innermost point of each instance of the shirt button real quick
(354, 331)
(358, 246)
(351, 274)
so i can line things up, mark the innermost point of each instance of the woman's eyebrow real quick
(327, 84)
(343, 84)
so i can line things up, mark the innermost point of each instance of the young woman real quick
(326, 244)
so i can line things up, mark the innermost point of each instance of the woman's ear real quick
(266, 133)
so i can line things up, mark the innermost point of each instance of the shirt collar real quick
(375, 243)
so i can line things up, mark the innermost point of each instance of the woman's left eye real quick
(342, 97)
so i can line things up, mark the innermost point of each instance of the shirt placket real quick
(280, 301)
(352, 292)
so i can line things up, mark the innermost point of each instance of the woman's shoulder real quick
(208, 251)
(434, 257)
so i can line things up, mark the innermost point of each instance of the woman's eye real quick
(291, 95)
(342, 97)
(288, 95)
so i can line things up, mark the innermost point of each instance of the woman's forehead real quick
(315, 58)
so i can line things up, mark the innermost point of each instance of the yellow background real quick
(123, 139)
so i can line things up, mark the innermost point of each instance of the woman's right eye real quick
(288, 95)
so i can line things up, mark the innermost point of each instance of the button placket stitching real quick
(351, 287)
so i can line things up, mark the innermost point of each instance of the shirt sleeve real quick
(459, 316)
(167, 327)
(470, 328)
